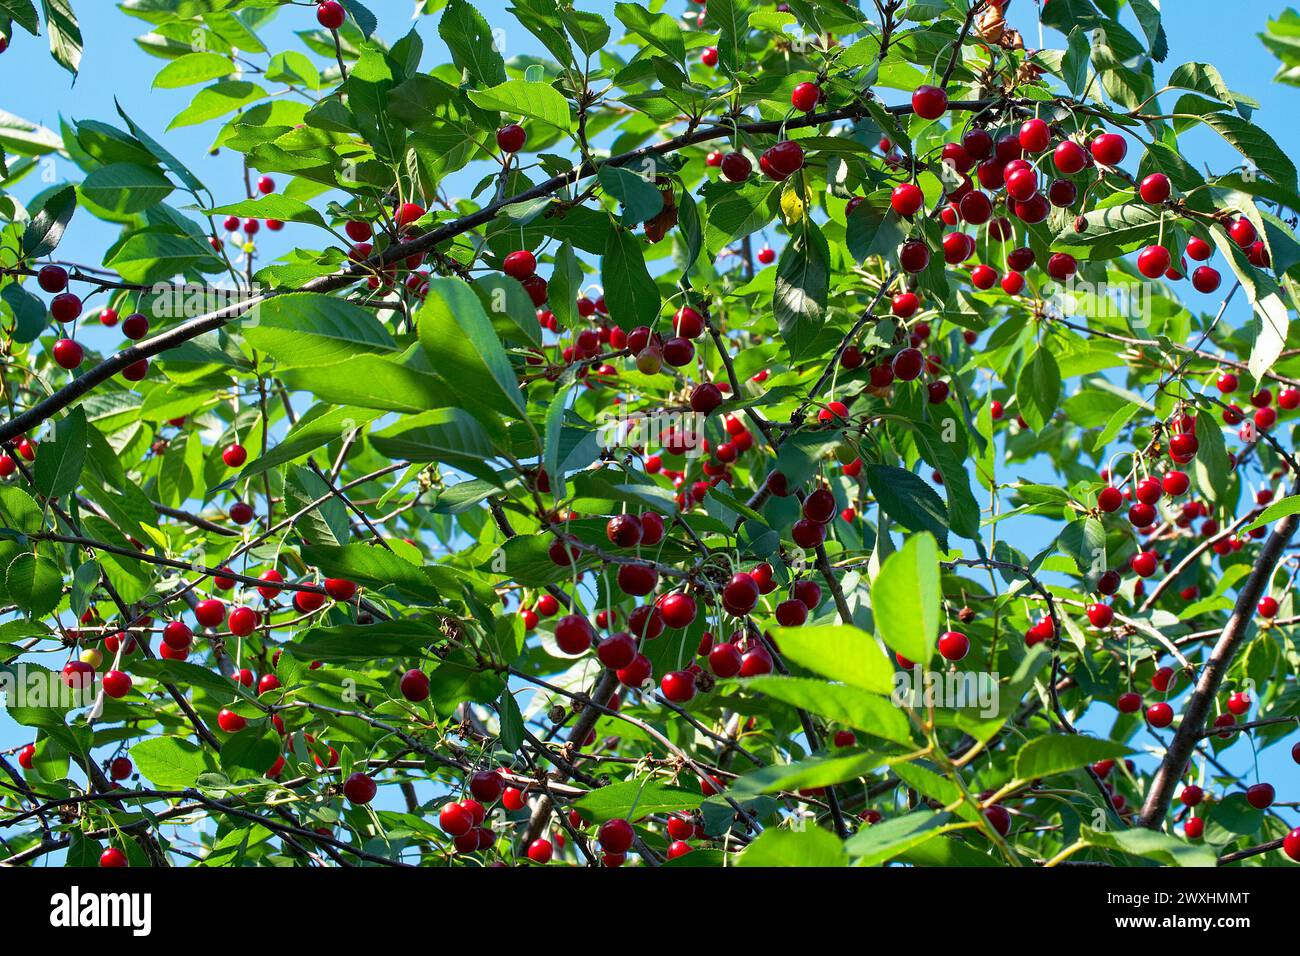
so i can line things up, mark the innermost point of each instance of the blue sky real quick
(36, 89)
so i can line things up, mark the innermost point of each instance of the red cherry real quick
(540, 851)
(1153, 261)
(68, 354)
(234, 456)
(1162, 679)
(231, 722)
(710, 56)
(1239, 703)
(914, 256)
(1191, 795)
(209, 613)
(678, 686)
(999, 819)
(1267, 606)
(360, 789)
(117, 684)
(455, 820)
(1243, 232)
(725, 660)
(929, 102)
(340, 589)
(1109, 499)
(1205, 279)
(615, 836)
(415, 685)
(1100, 615)
(1069, 157)
(1260, 796)
(1193, 828)
(736, 167)
(52, 278)
(1155, 188)
(805, 97)
(65, 307)
(1291, 844)
(1160, 714)
(520, 264)
(113, 858)
(1129, 702)
(1144, 563)
(906, 199)
(953, 645)
(242, 621)
(1109, 149)
(511, 138)
(1035, 134)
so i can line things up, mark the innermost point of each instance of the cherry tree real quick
(813, 433)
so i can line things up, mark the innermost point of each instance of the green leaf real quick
(215, 101)
(275, 206)
(907, 499)
(65, 34)
(851, 706)
(1057, 753)
(1163, 848)
(731, 18)
(126, 187)
(1038, 390)
(448, 435)
(169, 762)
(873, 228)
(34, 583)
(905, 598)
(539, 101)
(366, 642)
(58, 466)
(658, 29)
(631, 295)
(1074, 65)
(19, 510)
(318, 427)
(304, 329)
(640, 197)
(250, 753)
(619, 801)
(30, 314)
(461, 344)
(473, 48)
(1211, 466)
(1255, 145)
(809, 847)
(193, 68)
(45, 230)
(839, 652)
(802, 284)
(1279, 509)
(883, 841)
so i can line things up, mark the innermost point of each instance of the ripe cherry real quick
(710, 56)
(486, 785)
(573, 634)
(1205, 279)
(1160, 714)
(520, 264)
(1100, 615)
(805, 97)
(340, 589)
(914, 256)
(1109, 149)
(243, 621)
(65, 307)
(234, 455)
(112, 858)
(678, 686)
(117, 684)
(1260, 796)
(1239, 703)
(1129, 702)
(1267, 606)
(360, 789)
(907, 364)
(1153, 261)
(906, 199)
(724, 660)
(953, 645)
(209, 613)
(1109, 499)
(231, 722)
(52, 278)
(455, 820)
(1154, 189)
(929, 102)
(1069, 157)
(68, 354)
(766, 255)
(1144, 563)
(615, 836)
(736, 167)
(1243, 232)
(637, 579)
(540, 850)
(415, 685)
(511, 138)
(1035, 135)
(617, 651)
